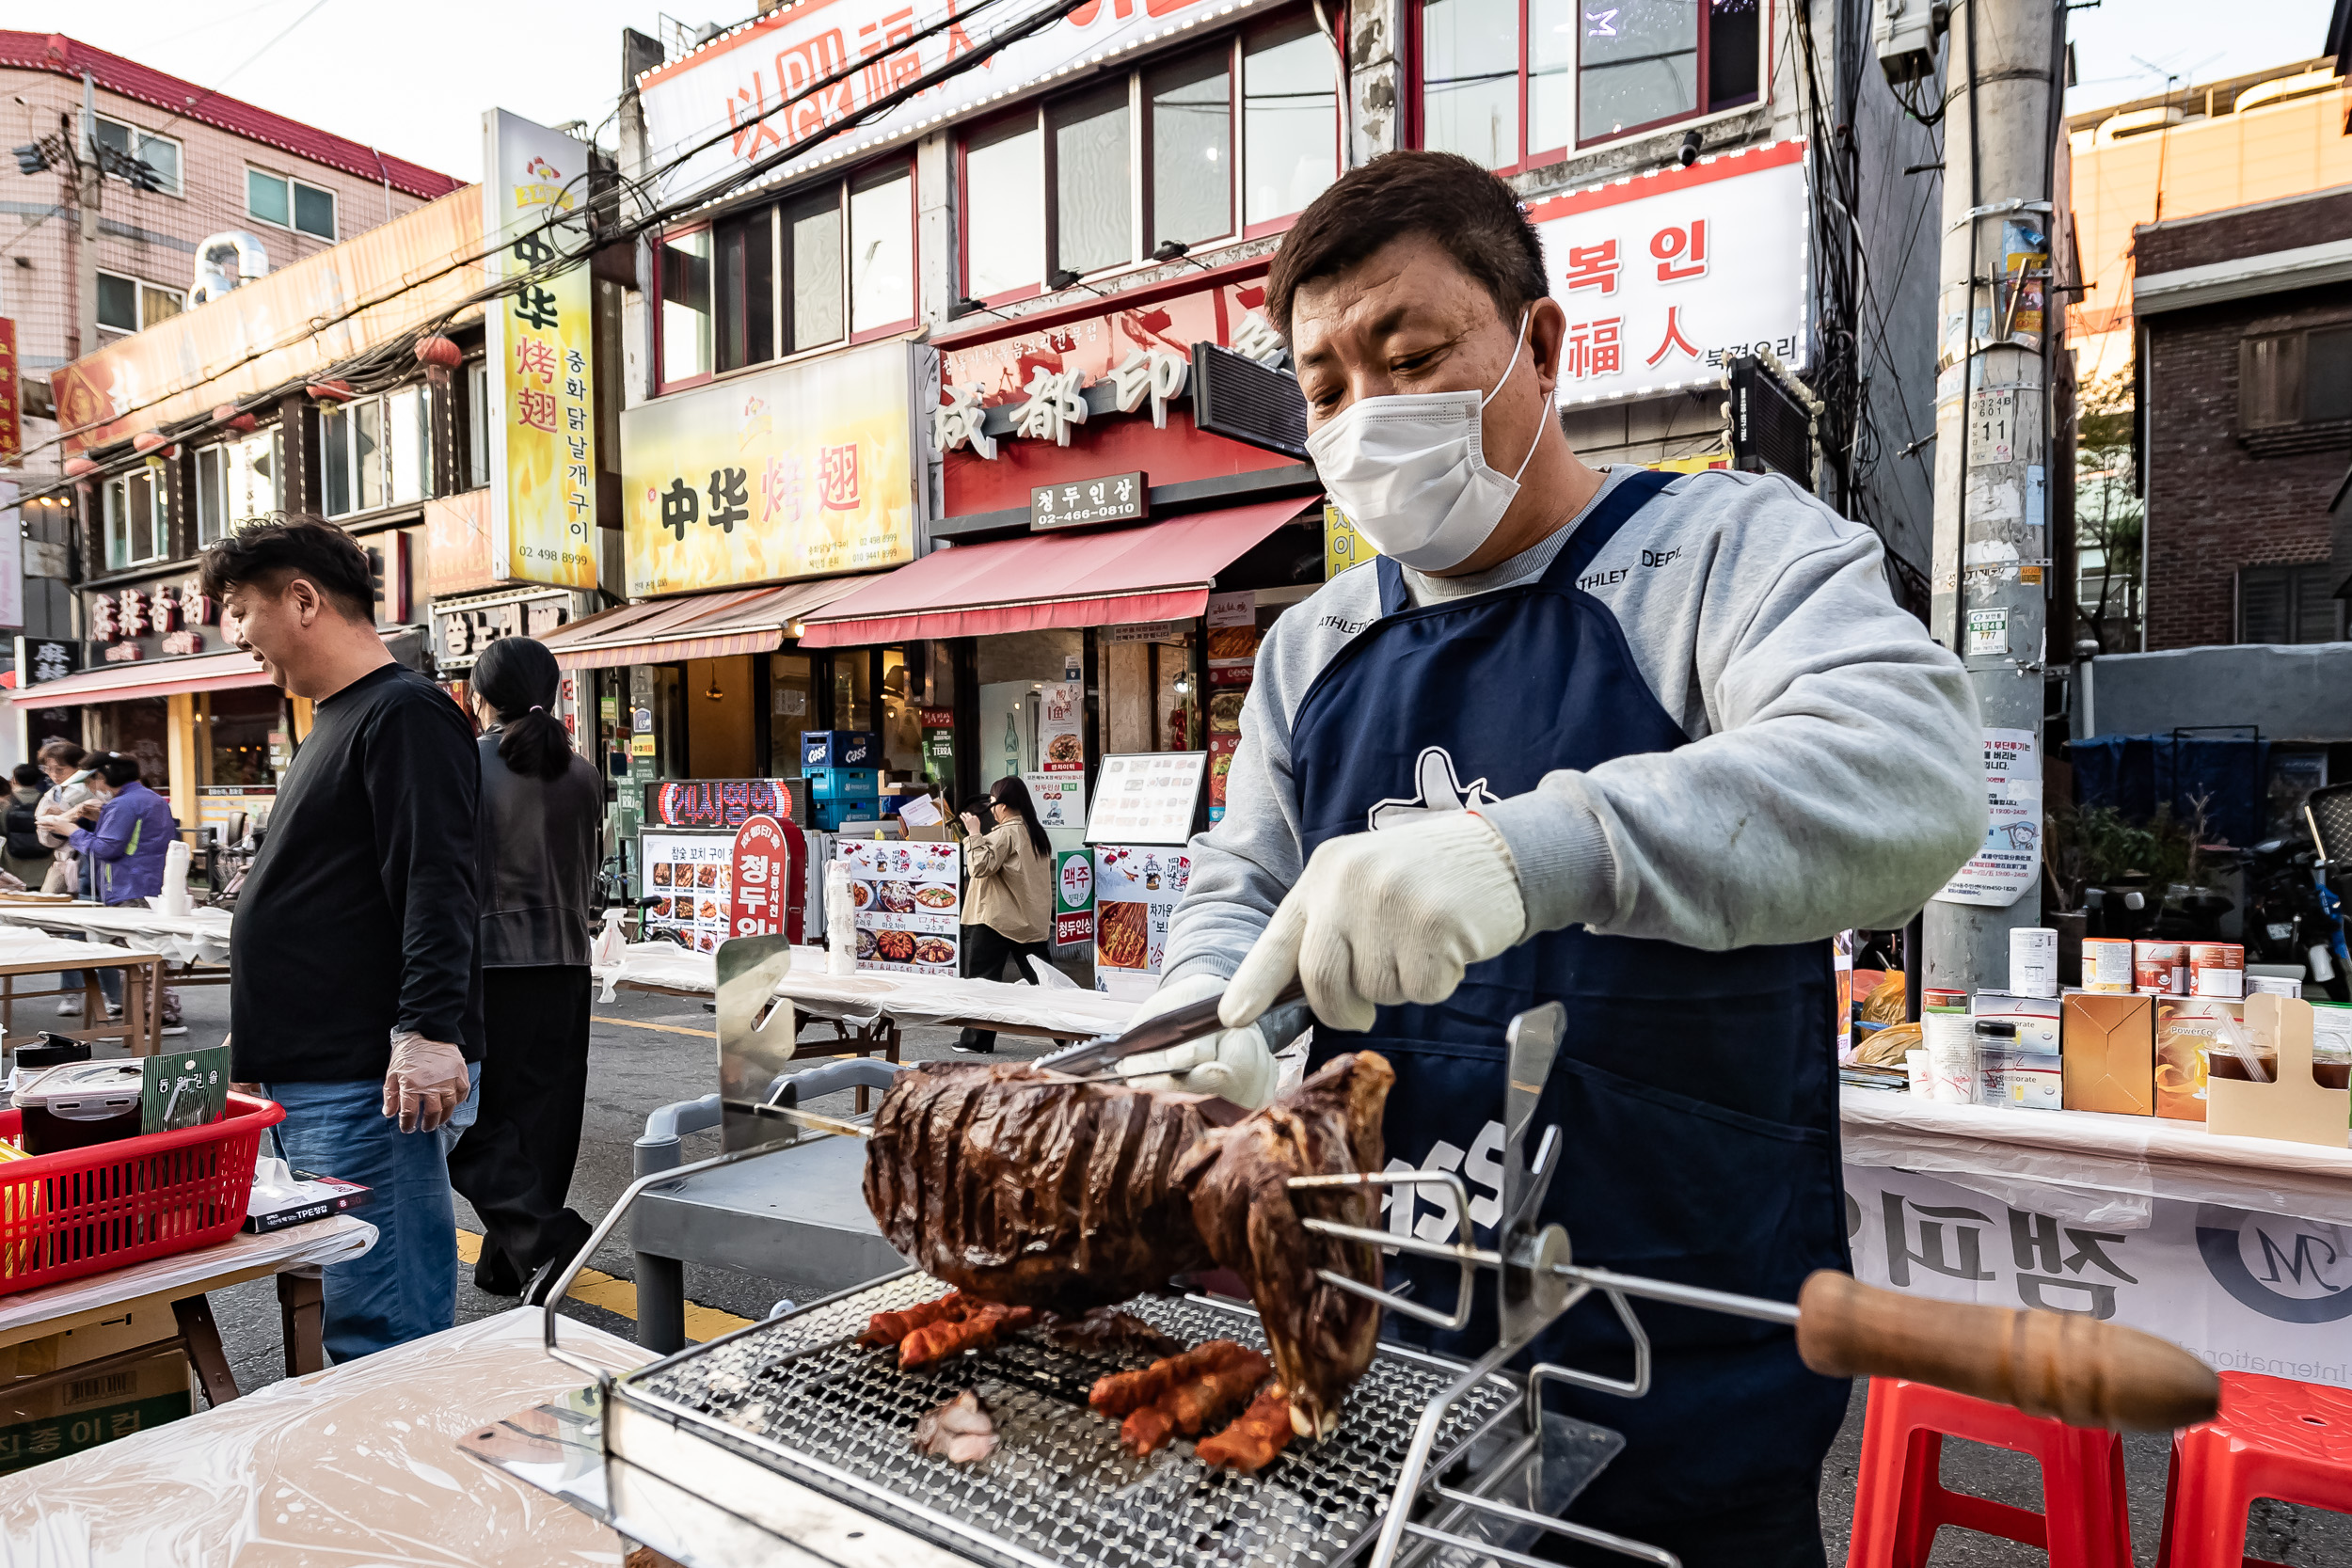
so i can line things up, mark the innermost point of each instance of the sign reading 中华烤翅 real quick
(1667, 276)
(540, 343)
(1113, 498)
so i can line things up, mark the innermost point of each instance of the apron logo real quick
(1430, 1212)
(1441, 789)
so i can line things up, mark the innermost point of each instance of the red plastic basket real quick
(88, 1209)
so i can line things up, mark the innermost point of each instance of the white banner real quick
(11, 557)
(2245, 1293)
(1666, 275)
(2010, 859)
(724, 88)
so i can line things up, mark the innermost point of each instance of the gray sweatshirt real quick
(1835, 772)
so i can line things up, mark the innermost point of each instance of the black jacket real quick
(536, 845)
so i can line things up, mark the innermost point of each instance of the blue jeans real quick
(406, 1287)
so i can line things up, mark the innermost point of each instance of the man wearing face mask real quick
(1631, 741)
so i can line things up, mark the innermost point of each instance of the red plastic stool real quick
(1899, 1502)
(2274, 1438)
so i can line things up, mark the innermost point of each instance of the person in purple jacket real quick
(132, 829)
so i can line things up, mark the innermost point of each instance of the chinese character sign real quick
(1634, 264)
(11, 413)
(543, 486)
(799, 471)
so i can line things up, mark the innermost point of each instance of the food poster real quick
(687, 886)
(1232, 654)
(1146, 797)
(1060, 718)
(939, 748)
(909, 900)
(1137, 888)
(1060, 800)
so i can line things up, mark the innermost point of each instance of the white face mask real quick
(1409, 471)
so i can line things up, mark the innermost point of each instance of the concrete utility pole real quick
(1991, 589)
(89, 183)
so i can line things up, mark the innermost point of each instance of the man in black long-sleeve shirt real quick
(354, 991)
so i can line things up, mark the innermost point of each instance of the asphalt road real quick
(651, 1051)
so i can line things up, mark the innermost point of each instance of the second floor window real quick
(235, 482)
(376, 453)
(1103, 178)
(2294, 378)
(159, 153)
(287, 203)
(1513, 83)
(128, 305)
(137, 517)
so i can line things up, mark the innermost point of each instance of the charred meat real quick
(976, 1329)
(1186, 1393)
(1104, 1330)
(1256, 1436)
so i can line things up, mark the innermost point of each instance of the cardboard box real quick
(2038, 1018)
(2108, 1044)
(2186, 1028)
(2021, 1080)
(108, 1336)
(838, 748)
(73, 1414)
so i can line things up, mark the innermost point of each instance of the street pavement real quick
(650, 1051)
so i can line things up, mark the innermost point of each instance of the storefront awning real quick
(705, 626)
(1161, 572)
(113, 683)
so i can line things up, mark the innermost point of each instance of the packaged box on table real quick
(2108, 1046)
(839, 749)
(69, 1413)
(2188, 1029)
(2037, 1018)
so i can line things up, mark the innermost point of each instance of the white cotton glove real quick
(425, 1082)
(1231, 1064)
(1386, 917)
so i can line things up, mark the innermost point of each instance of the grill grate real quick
(1058, 1488)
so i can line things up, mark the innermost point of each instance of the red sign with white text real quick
(759, 897)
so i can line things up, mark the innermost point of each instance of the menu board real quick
(687, 883)
(1137, 887)
(1146, 797)
(910, 903)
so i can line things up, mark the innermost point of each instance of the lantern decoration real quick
(228, 416)
(439, 356)
(76, 467)
(330, 391)
(147, 441)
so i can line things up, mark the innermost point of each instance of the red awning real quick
(704, 625)
(1161, 572)
(162, 677)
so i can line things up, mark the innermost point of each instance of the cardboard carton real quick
(71, 1414)
(2037, 1018)
(2188, 1028)
(2108, 1044)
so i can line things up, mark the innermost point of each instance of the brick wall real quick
(2213, 506)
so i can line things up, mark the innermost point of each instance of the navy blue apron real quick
(1695, 1092)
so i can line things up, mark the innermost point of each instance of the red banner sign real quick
(11, 414)
(760, 897)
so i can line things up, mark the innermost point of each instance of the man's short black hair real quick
(116, 769)
(29, 776)
(271, 554)
(1474, 215)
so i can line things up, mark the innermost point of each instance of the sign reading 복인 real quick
(1114, 499)
(1666, 276)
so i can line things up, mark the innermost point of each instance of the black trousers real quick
(985, 950)
(515, 1163)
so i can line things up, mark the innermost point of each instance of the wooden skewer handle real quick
(2085, 1372)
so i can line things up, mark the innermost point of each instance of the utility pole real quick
(1991, 588)
(89, 179)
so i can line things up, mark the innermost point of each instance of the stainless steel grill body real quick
(796, 1397)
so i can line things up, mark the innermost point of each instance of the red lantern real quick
(331, 391)
(438, 350)
(76, 467)
(227, 415)
(146, 441)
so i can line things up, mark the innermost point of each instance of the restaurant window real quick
(408, 445)
(376, 453)
(812, 238)
(881, 249)
(137, 515)
(2288, 603)
(853, 692)
(791, 708)
(746, 302)
(272, 198)
(161, 154)
(686, 306)
(128, 305)
(235, 482)
(1105, 177)
(2293, 378)
(236, 742)
(477, 424)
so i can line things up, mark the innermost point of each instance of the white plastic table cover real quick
(202, 936)
(357, 1464)
(2091, 1167)
(916, 999)
(337, 1238)
(19, 947)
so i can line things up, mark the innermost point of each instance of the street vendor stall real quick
(24, 952)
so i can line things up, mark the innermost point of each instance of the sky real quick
(413, 76)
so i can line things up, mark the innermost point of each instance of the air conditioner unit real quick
(1904, 33)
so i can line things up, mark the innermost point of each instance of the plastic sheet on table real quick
(337, 1238)
(2089, 1167)
(358, 1465)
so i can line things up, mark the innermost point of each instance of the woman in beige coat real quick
(1009, 908)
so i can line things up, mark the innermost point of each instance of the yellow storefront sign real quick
(1343, 546)
(804, 471)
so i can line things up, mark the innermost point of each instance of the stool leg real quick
(2207, 1506)
(1878, 1495)
(1924, 1511)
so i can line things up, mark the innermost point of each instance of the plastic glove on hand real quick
(1231, 1064)
(425, 1082)
(1386, 917)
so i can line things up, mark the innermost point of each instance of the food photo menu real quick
(910, 903)
(685, 887)
(1146, 797)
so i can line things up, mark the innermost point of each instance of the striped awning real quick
(702, 625)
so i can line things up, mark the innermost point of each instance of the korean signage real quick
(1114, 499)
(939, 747)
(1061, 728)
(804, 470)
(2010, 862)
(750, 92)
(689, 888)
(2243, 1292)
(11, 401)
(1074, 896)
(1343, 546)
(1146, 797)
(1060, 800)
(542, 461)
(1137, 887)
(462, 631)
(715, 802)
(118, 620)
(907, 899)
(762, 876)
(1666, 276)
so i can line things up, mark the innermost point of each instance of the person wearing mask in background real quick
(1011, 898)
(129, 830)
(28, 856)
(536, 855)
(60, 762)
(355, 1000)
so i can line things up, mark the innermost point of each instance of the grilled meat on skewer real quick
(888, 1328)
(1122, 1392)
(1255, 1436)
(981, 1327)
(1180, 1394)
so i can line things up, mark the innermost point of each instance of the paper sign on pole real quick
(2011, 860)
(1060, 799)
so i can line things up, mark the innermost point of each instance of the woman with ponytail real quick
(537, 838)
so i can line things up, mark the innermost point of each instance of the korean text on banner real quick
(542, 461)
(800, 471)
(762, 874)
(1666, 276)
(752, 92)
(2011, 860)
(11, 400)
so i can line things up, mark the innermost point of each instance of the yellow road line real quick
(665, 1028)
(595, 1288)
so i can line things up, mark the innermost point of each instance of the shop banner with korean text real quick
(804, 470)
(1667, 275)
(2245, 1292)
(11, 399)
(543, 460)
